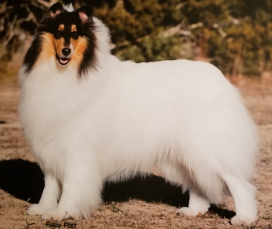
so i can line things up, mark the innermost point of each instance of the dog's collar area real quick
(62, 61)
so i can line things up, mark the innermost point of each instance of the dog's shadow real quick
(24, 180)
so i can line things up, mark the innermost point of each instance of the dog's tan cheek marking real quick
(80, 46)
(74, 43)
(48, 50)
(59, 45)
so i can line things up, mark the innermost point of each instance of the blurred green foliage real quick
(235, 35)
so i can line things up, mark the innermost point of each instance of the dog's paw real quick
(188, 212)
(238, 220)
(58, 214)
(36, 209)
(193, 212)
(55, 215)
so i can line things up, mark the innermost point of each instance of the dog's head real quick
(66, 34)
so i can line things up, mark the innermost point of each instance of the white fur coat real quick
(125, 118)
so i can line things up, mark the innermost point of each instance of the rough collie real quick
(88, 118)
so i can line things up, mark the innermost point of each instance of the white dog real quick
(88, 117)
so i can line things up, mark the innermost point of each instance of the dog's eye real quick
(74, 35)
(57, 35)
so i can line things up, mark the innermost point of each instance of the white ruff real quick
(124, 118)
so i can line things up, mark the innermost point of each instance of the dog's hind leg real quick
(243, 193)
(178, 174)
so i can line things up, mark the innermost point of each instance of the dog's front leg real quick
(50, 196)
(82, 184)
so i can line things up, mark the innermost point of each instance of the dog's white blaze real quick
(182, 116)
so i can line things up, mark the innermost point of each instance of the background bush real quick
(235, 35)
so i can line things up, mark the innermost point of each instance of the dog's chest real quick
(48, 102)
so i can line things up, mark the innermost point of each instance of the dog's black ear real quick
(85, 13)
(55, 10)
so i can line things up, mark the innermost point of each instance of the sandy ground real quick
(138, 203)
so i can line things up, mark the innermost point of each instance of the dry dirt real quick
(138, 203)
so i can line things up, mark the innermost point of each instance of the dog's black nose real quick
(66, 51)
